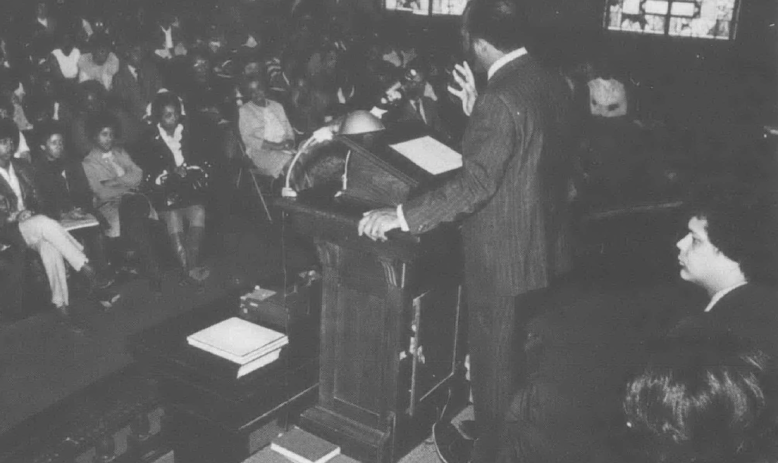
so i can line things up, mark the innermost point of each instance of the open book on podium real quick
(386, 167)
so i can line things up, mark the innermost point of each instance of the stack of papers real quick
(247, 344)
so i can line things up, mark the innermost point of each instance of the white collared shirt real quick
(168, 37)
(505, 59)
(13, 181)
(717, 297)
(174, 142)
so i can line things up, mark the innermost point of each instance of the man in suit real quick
(416, 106)
(513, 193)
(137, 81)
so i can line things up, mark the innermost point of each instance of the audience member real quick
(176, 183)
(94, 100)
(704, 400)
(66, 56)
(730, 251)
(64, 186)
(101, 64)
(22, 149)
(114, 179)
(137, 81)
(265, 130)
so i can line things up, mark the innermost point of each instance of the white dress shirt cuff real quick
(403, 223)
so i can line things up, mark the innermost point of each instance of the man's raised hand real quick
(467, 92)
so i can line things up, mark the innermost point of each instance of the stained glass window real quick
(709, 19)
(427, 7)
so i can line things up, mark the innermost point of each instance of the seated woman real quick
(175, 182)
(704, 399)
(115, 181)
(22, 225)
(265, 130)
(64, 186)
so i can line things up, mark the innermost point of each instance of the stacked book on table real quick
(299, 446)
(246, 344)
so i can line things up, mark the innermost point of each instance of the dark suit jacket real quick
(514, 183)
(9, 231)
(136, 96)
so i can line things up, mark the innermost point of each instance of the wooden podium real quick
(391, 350)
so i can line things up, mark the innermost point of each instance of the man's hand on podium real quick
(376, 223)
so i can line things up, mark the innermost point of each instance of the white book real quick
(237, 338)
(239, 360)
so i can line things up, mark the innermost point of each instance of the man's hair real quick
(95, 124)
(741, 223)
(9, 130)
(502, 23)
(704, 399)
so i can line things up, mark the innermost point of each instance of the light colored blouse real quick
(260, 124)
(68, 64)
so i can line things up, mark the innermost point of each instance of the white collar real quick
(176, 133)
(43, 22)
(505, 59)
(8, 173)
(132, 68)
(721, 293)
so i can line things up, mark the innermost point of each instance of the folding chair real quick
(246, 161)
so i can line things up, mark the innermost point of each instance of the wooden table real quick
(210, 416)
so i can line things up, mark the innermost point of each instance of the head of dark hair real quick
(97, 122)
(100, 41)
(502, 23)
(9, 130)
(45, 130)
(163, 100)
(741, 222)
(705, 399)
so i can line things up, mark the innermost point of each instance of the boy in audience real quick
(730, 252)
(101, 64)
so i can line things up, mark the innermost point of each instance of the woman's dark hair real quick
(703, 399)
(45, 130)
(97, 122)
(9, 130)
(161, 101)
(741, 223)
(502, 23)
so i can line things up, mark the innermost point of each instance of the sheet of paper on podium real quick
(429, 154)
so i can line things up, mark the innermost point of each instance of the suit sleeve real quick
(489, 146)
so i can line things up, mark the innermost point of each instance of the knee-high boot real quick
(194, 242)
(180, 250)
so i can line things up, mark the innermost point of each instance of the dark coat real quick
(63, 185)
(33, 201)
(155, 157)
(514, 184)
